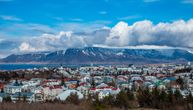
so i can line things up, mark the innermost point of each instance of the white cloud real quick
(10, 18)
(176, 34)
(50, 42)
(118, 35)
(25, 47)
(141, 34)
(138, 47)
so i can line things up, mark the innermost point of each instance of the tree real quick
(73, 98)
(19, 96)
(7, 99)
(16, 82)
(180, 81)
(23, 75)
(155, 97)
(130, 95)
(77, 83)
(178, 96)
(122, 100)
(189, 100)
(62, 81)
(191, 76)
(2, 90)
(170, 96)
(163, 99)
(93, 83)
(112, 83)
(109, 101)
(189, 97)
(24, 98)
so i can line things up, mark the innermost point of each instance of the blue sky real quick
(23, 20)
(51, 12)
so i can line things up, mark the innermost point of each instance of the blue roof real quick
(27, 94)
(169, 78)
(4, 94)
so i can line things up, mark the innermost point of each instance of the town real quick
(96, 82)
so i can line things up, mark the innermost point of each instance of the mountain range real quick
(99, 55)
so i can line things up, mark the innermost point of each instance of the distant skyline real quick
(48, 25)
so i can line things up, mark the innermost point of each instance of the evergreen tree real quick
(189, 97)
(178, 96)
(77, 84)
(109, 100)
(180, 81)
(130, 95)
(73, 98)
(93, 83)
(122, 100)
(191, 76)
(16, 82)
(2, 90)
(189, 102)
(163, 99)
(112, 83)
(170, 96)
(62, 81)
(155, 97)
(7, 99)
(24, 98)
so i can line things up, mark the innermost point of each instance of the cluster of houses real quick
(100, 80)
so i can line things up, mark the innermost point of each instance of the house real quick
(64, 95)
(38, 97)
(3, 95)
(104, 93)
(51, 82)
(37, 90)
(50, 92)
(101, 85)
(98, 79)
(72, 84)
(83, 89)
(26, 96)
(11, 89)
(30, 83)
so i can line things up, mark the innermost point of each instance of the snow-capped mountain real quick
(103, 56)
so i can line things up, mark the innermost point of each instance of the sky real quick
(50, 25)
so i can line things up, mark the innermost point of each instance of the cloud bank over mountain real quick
(175, 34)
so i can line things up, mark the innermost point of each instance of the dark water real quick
(25, 66)
(31, 66)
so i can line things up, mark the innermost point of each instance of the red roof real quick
(82, 83)
(57, 87)
(114, 88)
(92, 88)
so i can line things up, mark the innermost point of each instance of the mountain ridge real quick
(101, 55)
